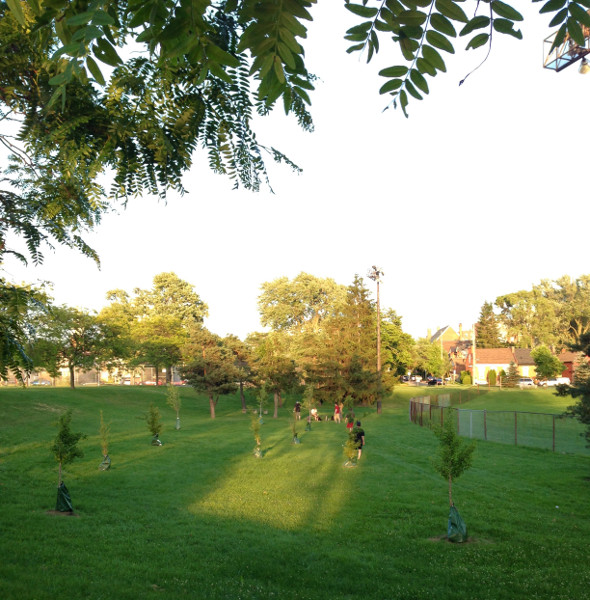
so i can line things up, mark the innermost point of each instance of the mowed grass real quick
(201, 517)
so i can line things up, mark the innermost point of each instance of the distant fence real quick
(537, 430)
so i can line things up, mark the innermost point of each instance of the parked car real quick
(41, 382)
(555, 381)
(526, 382)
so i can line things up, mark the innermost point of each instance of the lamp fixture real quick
(584, 67)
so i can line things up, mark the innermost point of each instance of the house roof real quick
(523, 356)
(437, 335)
(572, 357)
(494, 356)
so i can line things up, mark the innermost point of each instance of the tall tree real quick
(171, 296)
(68, 337)
(397, 345)
(275, 368)
(158, 342)
(547, 365)
(487, 334)
(209, 366)
(243, 361)
(580, 390)
(18, 306)
(301, 304)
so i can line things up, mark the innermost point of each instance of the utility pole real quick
(375, 274)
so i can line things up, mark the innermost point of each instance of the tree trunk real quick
(157, 375)
(59, 476)
(276, 397)
(242, 397)
(212, 406)
(72, 382)
(168, 375)
(450, 490)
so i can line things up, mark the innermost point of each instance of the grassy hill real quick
(200, 517)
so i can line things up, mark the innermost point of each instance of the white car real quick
(525, 382)
(555, 381)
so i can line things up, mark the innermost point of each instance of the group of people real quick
(357, 432)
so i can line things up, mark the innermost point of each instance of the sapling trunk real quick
(450, 490)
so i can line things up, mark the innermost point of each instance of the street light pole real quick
(375, 274)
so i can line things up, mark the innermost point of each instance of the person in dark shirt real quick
(359, 438)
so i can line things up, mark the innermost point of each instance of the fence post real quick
(485, 425)
(515, 429)
(421, 413)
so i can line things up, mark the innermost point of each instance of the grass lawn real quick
(200, 517)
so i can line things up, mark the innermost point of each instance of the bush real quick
(465, 377)
(492, 377)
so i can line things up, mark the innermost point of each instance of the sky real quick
(481, 192)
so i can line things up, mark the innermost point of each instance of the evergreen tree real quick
(512, 377)
(487, 334)
(580, 390)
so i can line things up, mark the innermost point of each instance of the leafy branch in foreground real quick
(422, 29)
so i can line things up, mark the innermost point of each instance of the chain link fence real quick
(537, 430)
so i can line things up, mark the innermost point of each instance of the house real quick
(570, 361)
(488, 359)
(524, 361)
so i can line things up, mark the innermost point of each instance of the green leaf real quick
(505, 10)
(434, 58)
(362, 11)
(356, 37)
(439, 41)
(442, 24)
(355, 48)
(420, 3)
(394, 6)
(419, 81)
(403, 100)
(96, 72)
(81, 18)
(102, 18)
(575, 31)
(106, 53)
(478, 22)
(411, 17)
(559, 37)
(578, 13)
(391, 85)
(410, 31)
(220, 56)
(477, 41)
(451, 10)
(70, 49)
(383, 26)
(17, 11)
(413, 91)
(560, 17)
(506, 26)
(286, 55)
(278, 68)
(425, 67)
(398, 71)
(552, 6)
(363, 28)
